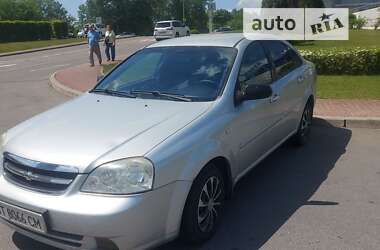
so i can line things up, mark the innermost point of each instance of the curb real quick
(50, 48)
(324, 121)
(348, 122)
(54, 83)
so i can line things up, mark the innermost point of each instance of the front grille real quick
(38, 176)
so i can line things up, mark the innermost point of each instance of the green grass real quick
(357, 38)
(17, 46)
(348, 87)
(108, 67)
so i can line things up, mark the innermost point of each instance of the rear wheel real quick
(204, 206)
(177, 34)
(304, 128)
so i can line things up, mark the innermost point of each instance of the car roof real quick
(168, 21)
(213, 40)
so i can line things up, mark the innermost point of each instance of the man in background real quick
(93, 38)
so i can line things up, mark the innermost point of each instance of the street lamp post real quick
(183, 11)
(211, 6)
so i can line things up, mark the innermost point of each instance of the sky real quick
(72, 5)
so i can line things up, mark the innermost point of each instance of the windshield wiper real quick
(113, 93)
(159, 94)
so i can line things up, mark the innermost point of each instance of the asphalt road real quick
(321, 196)
(24, 79)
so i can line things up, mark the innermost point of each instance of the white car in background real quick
(170, 29)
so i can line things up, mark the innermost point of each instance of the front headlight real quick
(127, 176)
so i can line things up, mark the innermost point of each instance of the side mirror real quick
(256, 92)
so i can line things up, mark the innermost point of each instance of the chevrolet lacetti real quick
(156, 148)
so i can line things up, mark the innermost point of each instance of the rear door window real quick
(163, 25)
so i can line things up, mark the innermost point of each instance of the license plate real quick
(27, 219)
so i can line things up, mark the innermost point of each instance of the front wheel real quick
(204, 206)
(304, 128)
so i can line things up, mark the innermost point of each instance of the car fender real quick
(182, 156)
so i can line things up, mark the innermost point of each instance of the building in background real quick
(368, 9)
(372, 15)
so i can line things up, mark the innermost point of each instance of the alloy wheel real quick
(306, 121)
(209, 204)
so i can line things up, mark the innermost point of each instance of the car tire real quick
(188, 33)
(304, 127)
(202, 213)
(177, 34)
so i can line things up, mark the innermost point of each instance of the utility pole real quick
(183, 11)
(211, 6)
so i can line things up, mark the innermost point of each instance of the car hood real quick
(88, 128)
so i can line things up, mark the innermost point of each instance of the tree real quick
(139, 16)
(359, 22)
(19, 10)
(222, 17)
(83, 16)
(33, 10)
(236, 22)
(52, 9)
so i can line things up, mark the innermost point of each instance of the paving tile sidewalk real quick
(82, 78)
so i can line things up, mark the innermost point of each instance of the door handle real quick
(274, 98)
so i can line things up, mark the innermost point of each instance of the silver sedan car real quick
(156, 148)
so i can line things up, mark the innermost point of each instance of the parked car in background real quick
(170, 29)
(124, 35)
(223, 29)
(155, 149)
(101, 28)
(81, 34)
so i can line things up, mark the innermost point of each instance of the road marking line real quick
(7, 65)
(147, 40)
(50, 67)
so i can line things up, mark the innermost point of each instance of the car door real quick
(288, 85)
(177, 28)
(254, 118)
(181, 29)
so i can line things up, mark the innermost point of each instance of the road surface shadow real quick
(267, 196)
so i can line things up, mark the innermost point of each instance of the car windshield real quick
(163, 25)
(187, 73)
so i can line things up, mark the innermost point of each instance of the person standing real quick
(93, 43)
(110, 42)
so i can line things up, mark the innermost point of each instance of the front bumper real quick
(82, 221)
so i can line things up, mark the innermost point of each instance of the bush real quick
(60, 29)
(18, 31)
(194, 31)
(358, 61)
